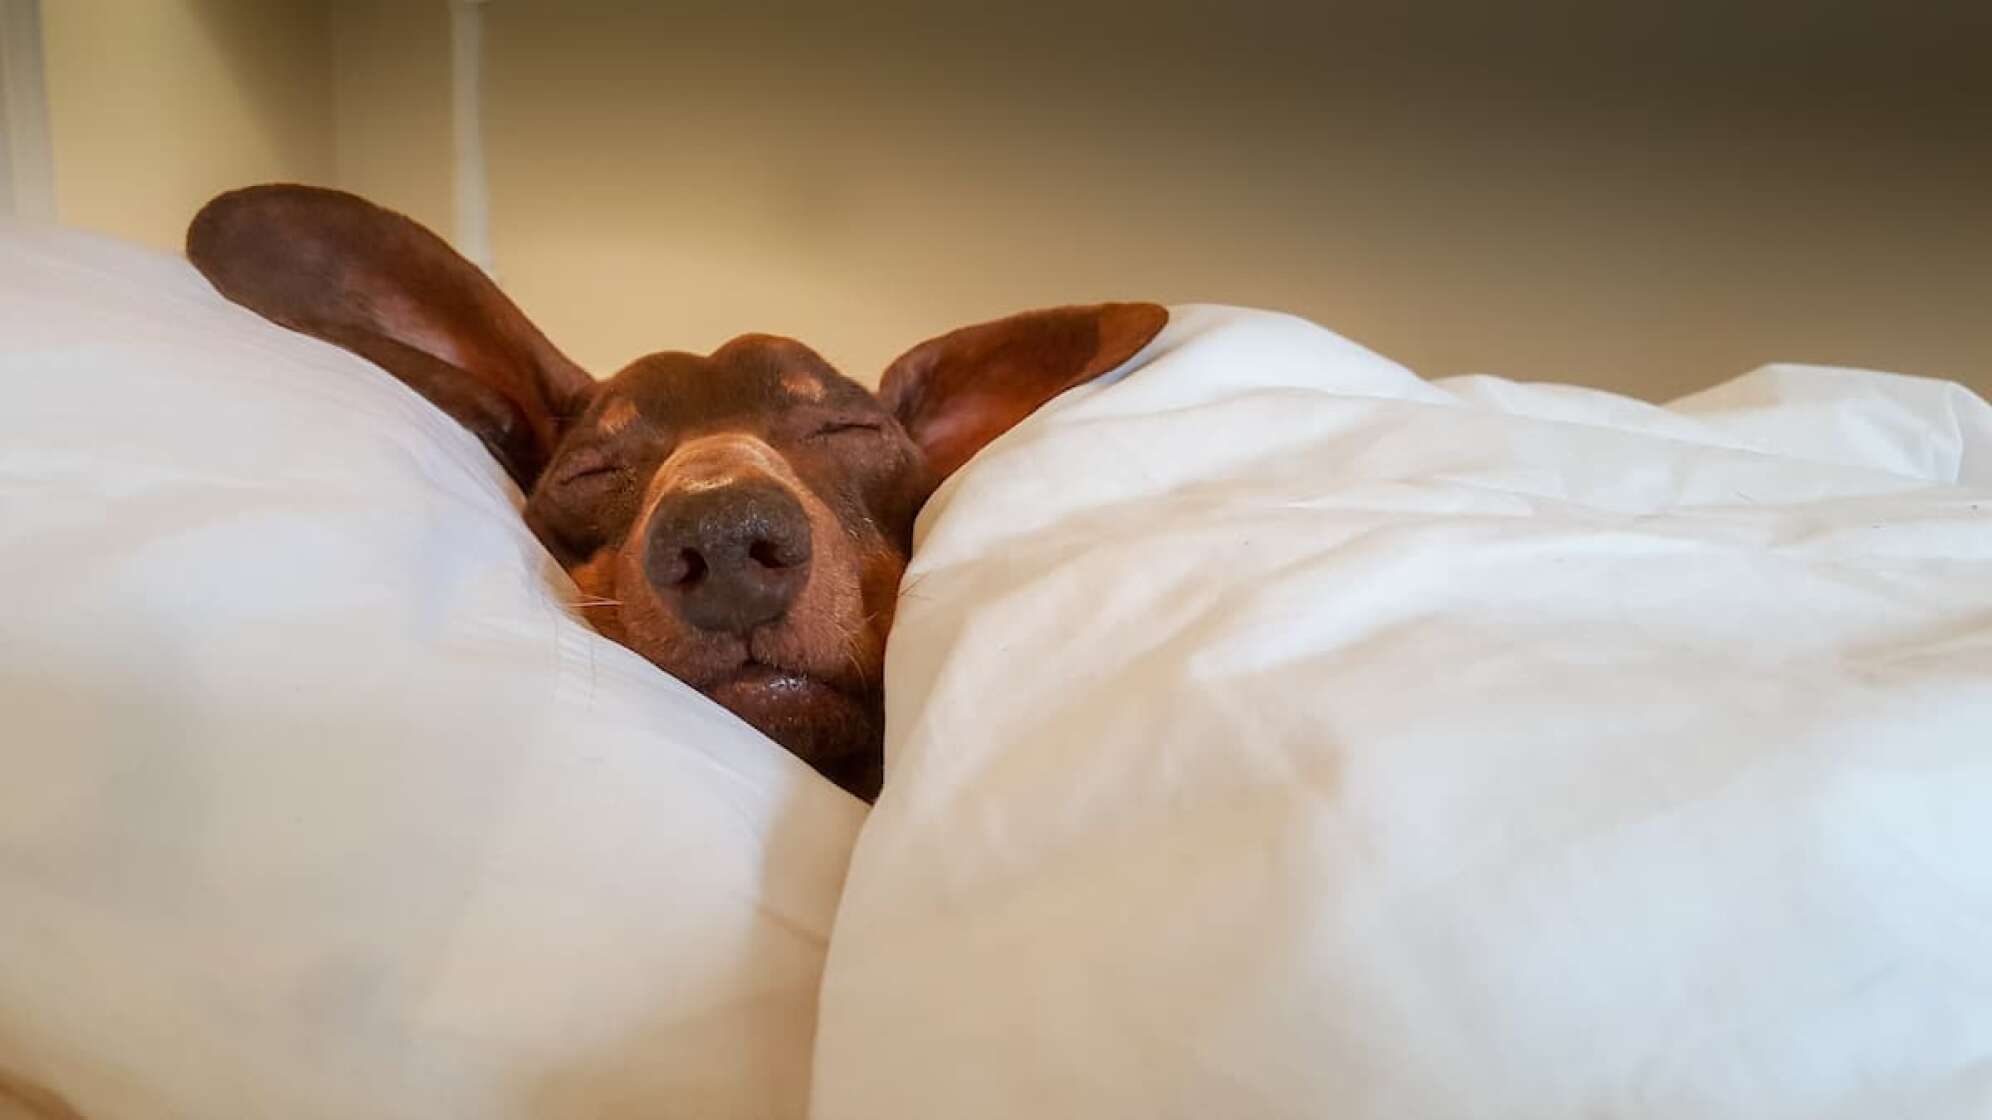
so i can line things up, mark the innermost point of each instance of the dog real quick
(741, 519)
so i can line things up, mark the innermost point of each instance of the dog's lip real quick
(785, 704)
(754, 673)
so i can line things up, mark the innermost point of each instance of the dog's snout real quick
(730, 557)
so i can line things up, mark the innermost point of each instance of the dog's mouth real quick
(815, 718)
(763, 684)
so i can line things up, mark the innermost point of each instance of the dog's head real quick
(741, 518)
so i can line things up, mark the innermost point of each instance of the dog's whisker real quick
(851, 653)
(850, 633)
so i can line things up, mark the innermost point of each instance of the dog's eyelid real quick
(586, 462)
(836, 425)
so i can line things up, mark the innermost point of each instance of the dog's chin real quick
(817, 722)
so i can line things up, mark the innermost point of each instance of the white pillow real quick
(315, 799)
(1275, 734)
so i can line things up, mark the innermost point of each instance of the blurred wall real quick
(1650, 198)
(391, 105)
(156, 105)
(27, 188)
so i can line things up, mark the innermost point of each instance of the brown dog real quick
(741, 519)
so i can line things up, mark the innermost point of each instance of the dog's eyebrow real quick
(617, 415)
(802, 384)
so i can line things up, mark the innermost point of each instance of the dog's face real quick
(741, 519)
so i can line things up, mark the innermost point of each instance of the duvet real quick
(1277, 734)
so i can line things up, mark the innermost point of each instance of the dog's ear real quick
(335, 266)
(955, 393)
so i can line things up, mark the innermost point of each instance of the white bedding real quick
(314, 799)
(1275, 734)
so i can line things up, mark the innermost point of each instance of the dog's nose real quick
(731, 557)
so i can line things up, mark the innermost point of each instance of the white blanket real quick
(315, 801)
(1275, 734)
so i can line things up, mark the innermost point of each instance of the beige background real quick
(391, 105)
(1647, 199)
(153, 107)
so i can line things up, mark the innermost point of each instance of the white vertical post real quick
(27, 163)
(471, 187)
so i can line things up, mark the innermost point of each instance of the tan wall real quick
(1650, 201)
(156, 105)
(391, 105)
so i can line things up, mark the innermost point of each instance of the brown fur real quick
(617, 416)
(599, 459)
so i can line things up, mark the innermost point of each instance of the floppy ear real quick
(955, 393)
(335, 266)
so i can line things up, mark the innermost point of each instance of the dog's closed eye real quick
(587, 466)
(844, 427)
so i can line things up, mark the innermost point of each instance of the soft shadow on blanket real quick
(21, 1099)
(621, 1080)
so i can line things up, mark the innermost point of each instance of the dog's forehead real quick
(754, 375)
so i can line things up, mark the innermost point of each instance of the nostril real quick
(690, 569)
(728, 558)
(680, 567)
(769, 555)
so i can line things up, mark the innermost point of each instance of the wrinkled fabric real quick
(1276, 734)
(315, 798)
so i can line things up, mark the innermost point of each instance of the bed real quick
(1273, 733)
